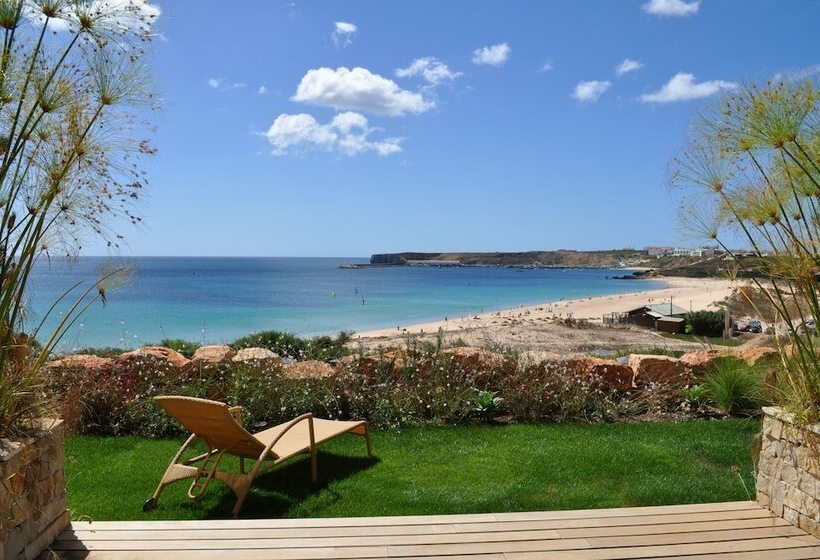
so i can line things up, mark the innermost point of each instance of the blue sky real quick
(297, 128)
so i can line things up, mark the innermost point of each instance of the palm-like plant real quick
(752, 173)
(71, 74)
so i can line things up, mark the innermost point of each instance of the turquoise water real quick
(219, 299)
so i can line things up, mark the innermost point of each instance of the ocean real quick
(213, 300)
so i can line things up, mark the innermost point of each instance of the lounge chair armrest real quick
(236, 412)
(288, 426)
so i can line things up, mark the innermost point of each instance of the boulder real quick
(151, 356)
(399, 358)
(260, 355)
(213, 354)
(753, 355)
(607, 374)
(479, 362)
(700, 362)
(650, 368)
(85, 362)
(309, 368)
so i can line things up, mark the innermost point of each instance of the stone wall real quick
(33, 503)
(788, 478)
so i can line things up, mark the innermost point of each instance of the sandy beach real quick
(543, 327)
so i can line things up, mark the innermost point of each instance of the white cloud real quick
(430, 68)
(348, 133)
(222, 84)
(547, 66)
(628, 65)
(797, 75)
(495, 55)
(682, 87)
(343, 33)
(262, 90)
(360, 90)
(672, 8)
(348, 121)
(591, 90)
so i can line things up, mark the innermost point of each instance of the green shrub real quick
(706, 323)
(104, 352)
(289, 345)
(184, 347)
(735, 387)
(696, 397)
(486, 405)
(653, 350)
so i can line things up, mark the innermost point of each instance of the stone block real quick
(775, 429)
(763, 482)
(793, 497)
(15, 543)
(810, 507)
(811, 526)
(791, 515)
(776, 506)
(789, 474)
(807, 483)
(46, 536)
(762, 498)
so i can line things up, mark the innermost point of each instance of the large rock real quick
(258, 355)
(700, 362)
(84, 362)
(213, 354)
(309, 368)
(607, 374)
(753, 355)
(151, 356)
(479, 362)
(650, 368)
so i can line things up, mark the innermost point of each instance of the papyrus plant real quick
(72, 87)
(751, 180)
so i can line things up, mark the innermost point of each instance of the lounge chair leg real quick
(240, 500)
(314, 467)
(367, 441)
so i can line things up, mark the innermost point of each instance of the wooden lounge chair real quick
(220, 427)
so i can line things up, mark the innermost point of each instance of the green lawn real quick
(431, 470)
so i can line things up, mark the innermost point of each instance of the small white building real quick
(659, 251)
(696, 252)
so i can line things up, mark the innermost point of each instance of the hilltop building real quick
(660, 251)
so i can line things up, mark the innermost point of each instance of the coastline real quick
(534, 325)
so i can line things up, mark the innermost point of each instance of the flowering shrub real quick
(390, 390)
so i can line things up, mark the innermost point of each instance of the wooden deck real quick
(725, 531)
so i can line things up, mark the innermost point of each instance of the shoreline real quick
(693, 294)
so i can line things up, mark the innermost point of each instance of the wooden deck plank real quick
(668, 550)
(732, 531)
(807, 553)
(433, 519)
(508, 530)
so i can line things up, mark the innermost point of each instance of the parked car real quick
(750, 326)
(807, 326)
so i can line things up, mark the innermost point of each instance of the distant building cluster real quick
(659, 252)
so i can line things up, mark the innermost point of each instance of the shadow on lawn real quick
(276, 492)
